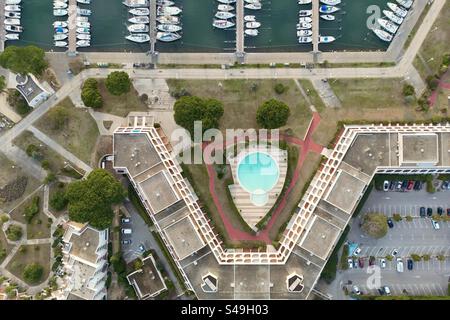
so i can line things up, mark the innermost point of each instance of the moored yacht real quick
(140, 11)
(222, 24)
(331, 2)
(252, 25)
(169, 28)
(251, 32)
(140, 19)
(12, 36)
(383, 35)
(224, 15)
(304, 33)
(249, 18)
(405, 3)
(138, 37)
(136, 3)
(328, 17)
(326, 39)
(393, 17)
(253, 6)
(328, 9)
(388, 25)
(225, 7)
(61, 44)
(397, 9)
(167, 36)
(305, 13)
(304, 39)
(140, 27)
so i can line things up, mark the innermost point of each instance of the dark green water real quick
(277, 33)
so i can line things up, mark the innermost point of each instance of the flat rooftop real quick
(445, 148)
(158, 191)
(252, 282)
(184, 238)
(135, 152)
(419, 148)
(147, 281)
(320, 238)
(346, 191)
(85, 245)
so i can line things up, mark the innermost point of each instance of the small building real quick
(85, 263)
(147, 281)
(31, 90)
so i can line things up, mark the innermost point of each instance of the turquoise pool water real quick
(258, 173)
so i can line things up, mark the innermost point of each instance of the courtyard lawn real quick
(120, 105)
(79, 135)
(39, 253)
(436, 44)
(241, 98)
(39, 227)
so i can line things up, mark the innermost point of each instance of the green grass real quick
(79, 135)
(313, 95)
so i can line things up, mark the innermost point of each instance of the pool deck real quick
(152, 28)
(72, 21)
(240, 26)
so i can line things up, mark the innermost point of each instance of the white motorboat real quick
(83, 30)
(61, 44)
(252, 1)
(328, 9)
(166, 3)
(83, 36)
(140, 19)
(136, 3)
(405, 3)
(12, 36)
(62, 24)
(227, 1)
(12, 2)
(249, 18)
(60, 36)
(13, 7)
(393, 17)
(83, 24)
(168, 19)
(388, 25)
(167, 36)
(304, 39)
(140, 27)
(397, 9)
(305, 13)
(83, 43)
(222, 24)
(12, 14)
(170, 11)
(12, 21)
(326, 39)
(305, 19)
(84, 1)
(253, 6)
(169, 28)
(138, 37)
(304, 33)
(82, 18)
(60, 12)
(13, 28)
(59, 5)
(61, 30)
(303, 26)
(140, 11)
(252, 25)
(251, 32)
(304, 1)
(331, 2)
(383, 35)
(328, 17)
(224, 15)
(225, 7)
(84, 12)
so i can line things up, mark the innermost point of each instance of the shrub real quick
(118, 82)
(18, 102)
(416, 257)
(426, 257)
(45, 164)
(14, 232)
(33, 272)
(397, 217)
(50, 178)
(389, 257)
(408, 90)
(432, 82)
(90, 95)
(280, 88)
(272, 114)
(409, 218)
(31, 210)
(58, 200)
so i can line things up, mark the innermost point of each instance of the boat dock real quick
(2, 25)
(240, 27)
(315, 25)
(72, 25)
(152, 28)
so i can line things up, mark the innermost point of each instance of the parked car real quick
(444, 185)
(410, 185)
(350, 263)
(390, 223)
(429, 212)
(435, 224)
(392, 186)
(399, 186)
(386, 185)
(357, 251)
(440, 211)
(355, 264)
(399, 265)
(361, 262)
(416, 185)
(410, 264)
(141, 248)
(448, 211)
(394, 252)
(386, 290)
(356, 291)
(371, 260)
(127, 231)
(422, 212)
(126, 220)
(127, 241)
(383, 263)
(404, 185)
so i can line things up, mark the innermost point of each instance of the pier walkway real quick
(315, 26)
(152, 29)
(2, 25)
(239, 27)
(72, 25)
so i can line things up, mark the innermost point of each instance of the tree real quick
(31, 210)
(280, 88)
(18, 102)
(90, 200)
(272, 114)
(23, 60)
(375, 225)
(14, 232)
(58, 200)
(190, 108)
(90, 95)
(2, 83)
(58, 117)
(33, 272)
(118, 82)
(408, 90)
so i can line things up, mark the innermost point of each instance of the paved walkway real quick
(307, 145)
(27, 163)
(327, 94)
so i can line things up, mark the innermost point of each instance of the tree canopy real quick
(118, 82)
(90, 200)
(190, 108)
(33, 272)
(90, 95)
(272, 114)
(375, 225)
(23, 60)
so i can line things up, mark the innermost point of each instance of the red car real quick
(410, 185)
(361, 262)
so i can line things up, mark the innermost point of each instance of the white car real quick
(350, 263)
(356, 291)
(357, 251)
(394, 252)
(399, 265)
(386, 186)
(383, 263)
(435, 224)
(387, 291)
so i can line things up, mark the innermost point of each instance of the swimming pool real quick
(257, 174)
